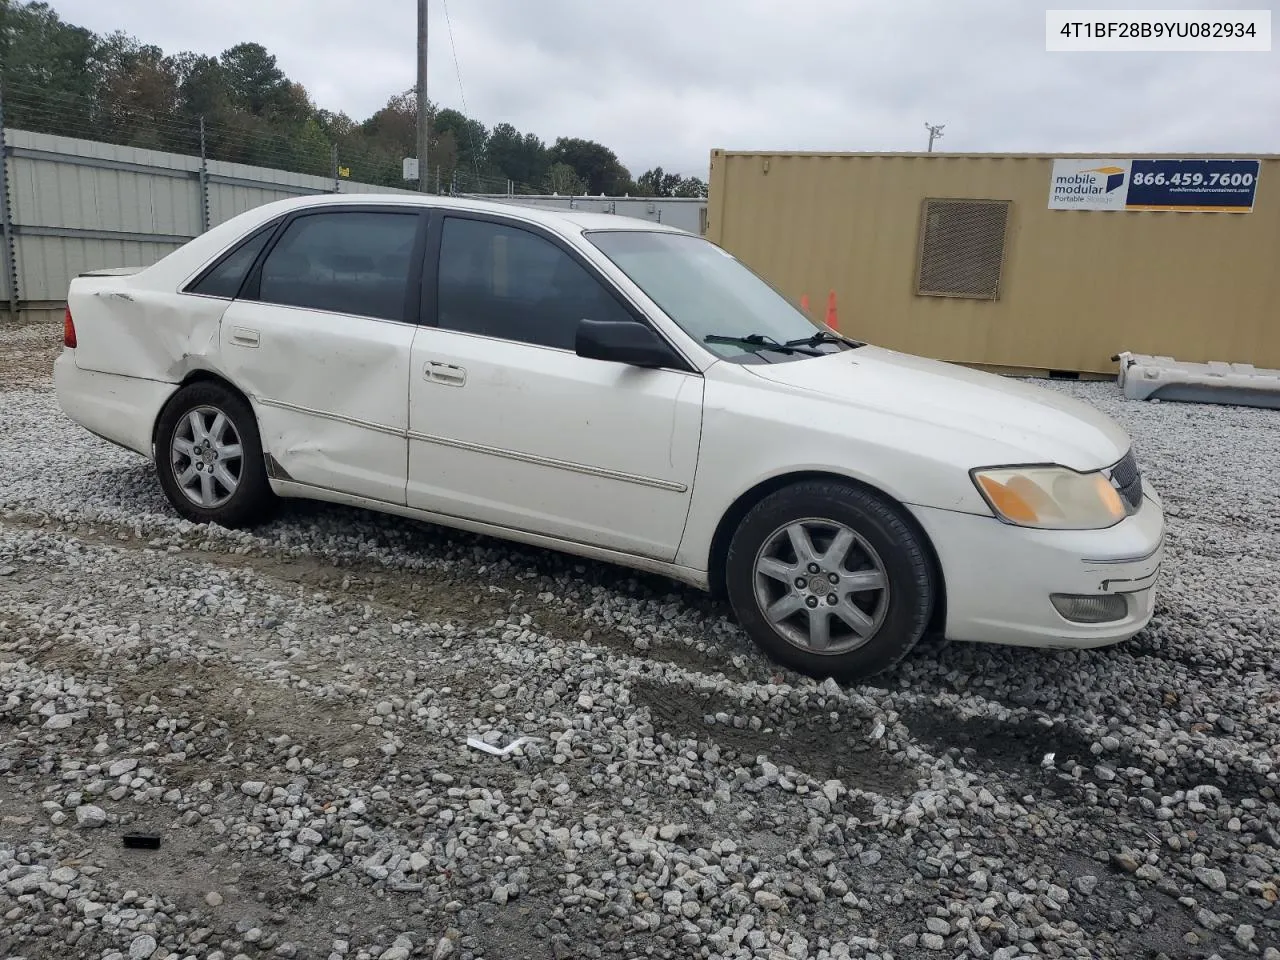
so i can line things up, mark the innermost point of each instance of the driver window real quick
(504, 282)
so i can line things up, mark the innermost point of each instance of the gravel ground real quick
(288, 711)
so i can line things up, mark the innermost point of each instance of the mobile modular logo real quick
(1089, 184)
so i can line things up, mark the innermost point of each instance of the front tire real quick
(209, 457)
(830, 579)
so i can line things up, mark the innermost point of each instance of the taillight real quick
(68, 330)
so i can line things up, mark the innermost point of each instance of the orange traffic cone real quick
(804, 302)
(831, 310)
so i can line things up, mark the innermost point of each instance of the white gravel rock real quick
(90, 817)
(684, 797)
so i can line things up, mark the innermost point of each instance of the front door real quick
(320, 339)
(509, 426)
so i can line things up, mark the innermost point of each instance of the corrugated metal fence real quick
(684, 213)
(70, 205)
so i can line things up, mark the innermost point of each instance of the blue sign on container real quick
(1225, 186)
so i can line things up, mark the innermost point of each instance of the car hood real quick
(1044, 426)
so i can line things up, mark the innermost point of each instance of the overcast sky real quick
(664, 81)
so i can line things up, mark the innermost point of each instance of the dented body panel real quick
(329, 393)
(127, 330)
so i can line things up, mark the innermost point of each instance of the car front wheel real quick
(209, 457)
(830, 580)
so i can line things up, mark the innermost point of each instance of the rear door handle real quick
(244, 337)
(449, 374)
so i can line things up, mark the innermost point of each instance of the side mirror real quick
(623, 341)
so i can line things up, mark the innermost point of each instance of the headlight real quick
(1054, 498)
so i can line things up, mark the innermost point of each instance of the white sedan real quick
(623, 391)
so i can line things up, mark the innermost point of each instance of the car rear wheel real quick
(209, 457)
(830, 580)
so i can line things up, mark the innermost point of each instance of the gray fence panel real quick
(47, 264)
(61, 182)
(236, 187)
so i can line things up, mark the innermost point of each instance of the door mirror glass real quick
(623, 341)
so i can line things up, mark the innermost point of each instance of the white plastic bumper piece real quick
(1145, 377)
(122, 410)
(999, 577)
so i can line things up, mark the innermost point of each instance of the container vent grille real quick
(962, 248)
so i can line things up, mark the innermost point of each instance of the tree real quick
(49, 70)
(691, 187)
(594, 163)
(202, 86)
(564, 180)
(395, 126)
(444, 159)
(253, 80)
(139, 94)
(469, 136)
(335, 126)
(521, 158)
(658, 183)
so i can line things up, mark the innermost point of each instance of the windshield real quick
(715, 298)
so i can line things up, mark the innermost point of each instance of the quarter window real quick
(504, 282)
(227, 275)
(346, 262)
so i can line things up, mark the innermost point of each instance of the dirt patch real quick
(428, 594)
(254, 892)
(1020, 747)
(835, 750)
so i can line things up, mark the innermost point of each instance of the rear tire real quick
(830, 579)
(209, 457)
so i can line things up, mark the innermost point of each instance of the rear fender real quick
(128, 330)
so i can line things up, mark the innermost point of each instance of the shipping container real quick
(965, 257)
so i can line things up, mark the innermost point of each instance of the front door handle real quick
(449, 374)
(244, 337)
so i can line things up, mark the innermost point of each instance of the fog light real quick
(1091, 609)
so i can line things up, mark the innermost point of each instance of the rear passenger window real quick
(224, 280)
(345, 262)
(505, 282)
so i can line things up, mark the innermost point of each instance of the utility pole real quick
(423, 137)
(935, 131)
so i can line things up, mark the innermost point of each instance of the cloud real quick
(665, 81)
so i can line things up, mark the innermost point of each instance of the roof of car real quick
(582, 219)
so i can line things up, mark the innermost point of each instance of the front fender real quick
(749, 442)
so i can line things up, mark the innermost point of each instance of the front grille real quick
(1127, 479)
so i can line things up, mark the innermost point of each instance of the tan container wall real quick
(1077, 286)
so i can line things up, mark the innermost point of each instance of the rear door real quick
(320, 337)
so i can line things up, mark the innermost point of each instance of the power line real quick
(471, 135)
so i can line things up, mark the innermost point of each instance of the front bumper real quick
(999, 577)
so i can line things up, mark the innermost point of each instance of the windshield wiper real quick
(759, 340)
(824, 336)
